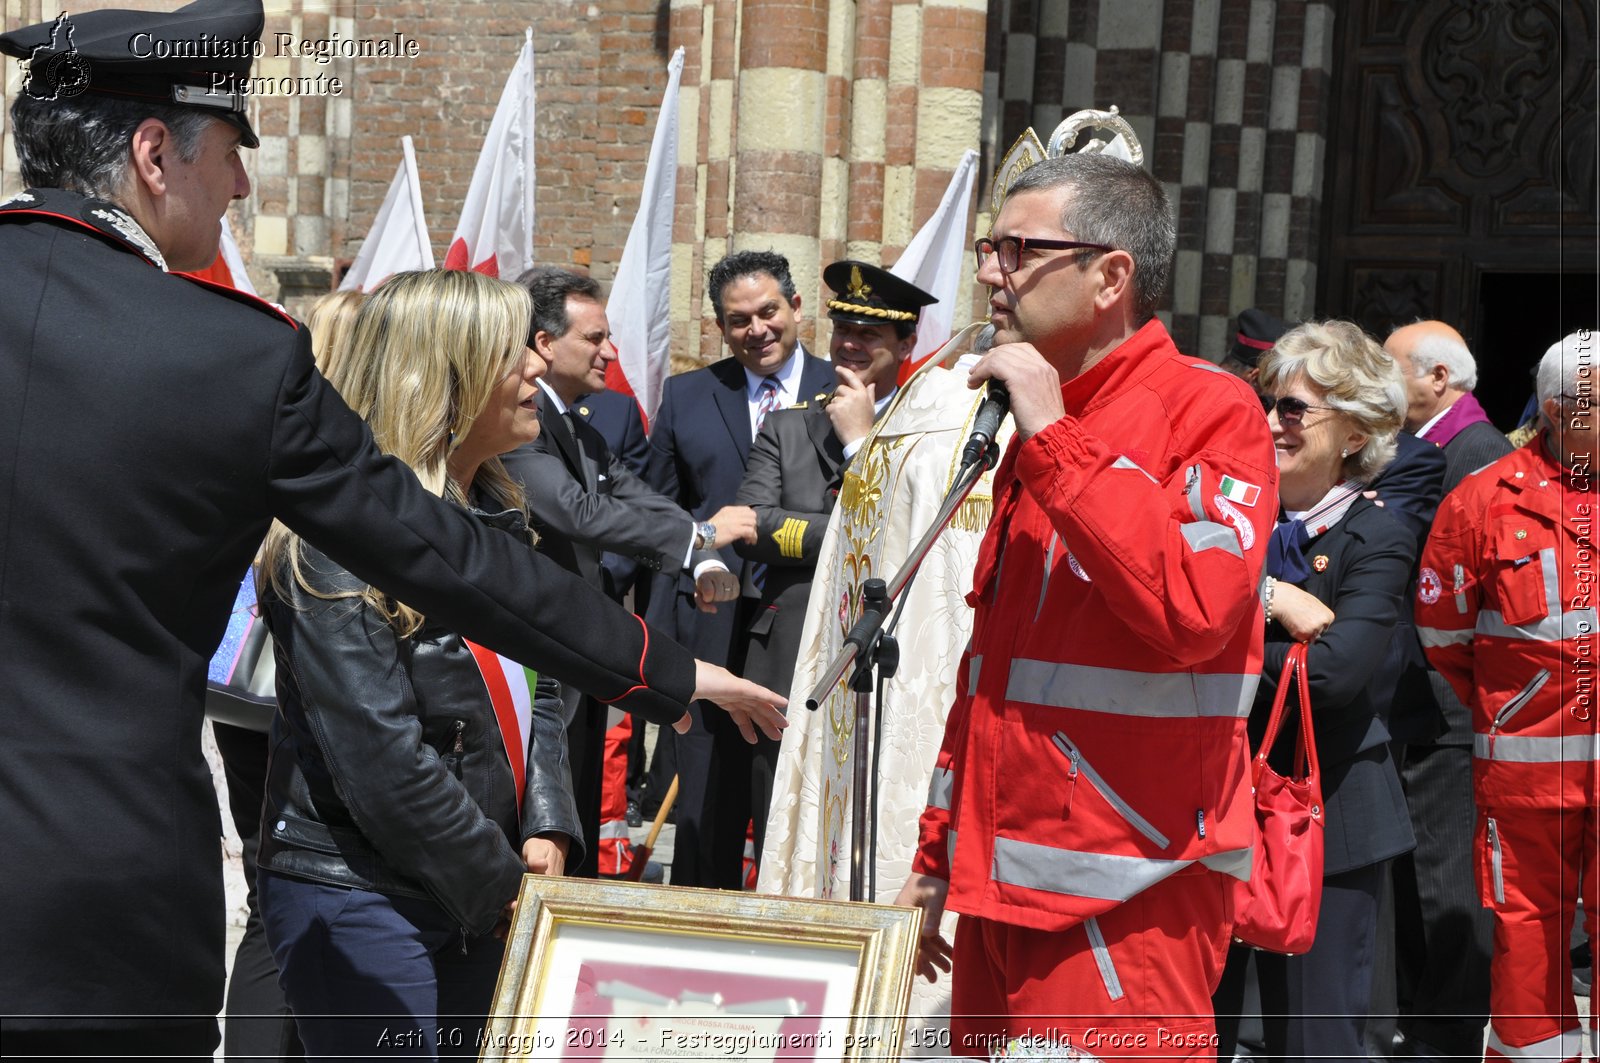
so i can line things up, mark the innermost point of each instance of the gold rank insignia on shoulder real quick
(802, 404)
(790, 537)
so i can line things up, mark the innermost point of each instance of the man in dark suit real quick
(1444, 935)
(585, 501)
(698, 449)
(616, 416)
(796, 464)
(155, 426)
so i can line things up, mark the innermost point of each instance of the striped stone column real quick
(949, 112)
(780, 136)
(869, 96)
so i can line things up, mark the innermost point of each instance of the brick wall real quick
(822, 128)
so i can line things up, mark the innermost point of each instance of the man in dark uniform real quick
(616, 416)
(154, 426)
(796, 465)
(585, 501)
(698, 447)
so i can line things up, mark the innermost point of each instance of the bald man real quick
(1444, 935)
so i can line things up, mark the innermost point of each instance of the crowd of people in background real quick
(480, 578)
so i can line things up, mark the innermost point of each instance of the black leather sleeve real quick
(328, 481)
(547, 804)
(356, 695)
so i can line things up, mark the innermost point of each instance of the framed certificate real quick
(625, 971)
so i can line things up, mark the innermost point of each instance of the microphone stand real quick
(874, 651)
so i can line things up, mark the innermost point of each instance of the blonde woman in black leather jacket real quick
(403, 804)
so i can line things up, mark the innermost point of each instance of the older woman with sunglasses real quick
(1338, 566)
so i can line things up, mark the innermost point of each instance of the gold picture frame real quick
(627, 971)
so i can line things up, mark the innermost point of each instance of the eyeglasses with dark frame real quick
(1008, 249)
(1291, 410)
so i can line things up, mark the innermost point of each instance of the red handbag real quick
(1277, 909)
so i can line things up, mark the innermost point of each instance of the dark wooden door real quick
(1462, 153)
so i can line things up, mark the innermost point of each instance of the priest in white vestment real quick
(891, 492)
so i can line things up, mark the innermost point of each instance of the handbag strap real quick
(1294, 674)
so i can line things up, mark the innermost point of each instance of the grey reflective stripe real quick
(1114, 799)
(950, 850)
(1103, 876)
(615, 828)
(973, 665)
(1102, 958)
(1233, 862)
(1461, 583)
(1521, 698)
(1209, 368)
(944, 781)
(1125, 462)
(1494, 860)
(1192, 488)
(1555, 627)
(1557, 624)
(1567, 1044)
(1209, 535)
(1532, 749)
(1127, 693)
(1436, 637)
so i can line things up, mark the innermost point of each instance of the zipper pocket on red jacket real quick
(1049, 563)
(1076, 764)
(1516, 705)
(1496, 865)
(1102, 959)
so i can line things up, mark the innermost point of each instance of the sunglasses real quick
(1291, 411)
(1008, 249)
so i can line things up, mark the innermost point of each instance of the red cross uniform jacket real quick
(1506, 612)
(1097, 744)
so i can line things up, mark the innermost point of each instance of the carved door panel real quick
(1462, 144)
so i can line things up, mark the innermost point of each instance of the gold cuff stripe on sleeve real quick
(791, 536)
(871, 311)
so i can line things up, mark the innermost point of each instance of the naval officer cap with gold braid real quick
(870, 295)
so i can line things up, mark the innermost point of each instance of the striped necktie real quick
(767, 403)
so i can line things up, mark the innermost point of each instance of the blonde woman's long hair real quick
(330, 319)
(425, 354)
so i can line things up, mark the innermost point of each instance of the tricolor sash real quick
(510, 689)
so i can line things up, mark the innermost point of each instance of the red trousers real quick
(616, 852)
(1532, 863)
(1135, 982)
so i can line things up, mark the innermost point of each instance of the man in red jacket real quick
(1090, 806)
(1506, 611)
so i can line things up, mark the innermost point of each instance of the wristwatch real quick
(705, 534)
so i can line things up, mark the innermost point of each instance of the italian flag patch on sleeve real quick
(1239, 491)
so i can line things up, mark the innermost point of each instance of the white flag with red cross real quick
(495, 233)
(936, 259)
(398, 239)
(639, 310)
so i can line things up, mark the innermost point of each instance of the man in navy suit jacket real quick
(698, 448)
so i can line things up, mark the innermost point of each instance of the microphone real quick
(996, 404)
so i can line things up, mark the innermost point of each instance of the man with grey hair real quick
(155, 425)
(1506, 610)
(1443, 934)
(1089, 814)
